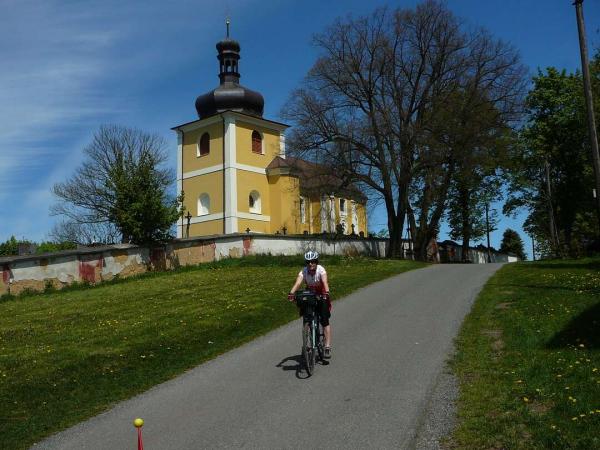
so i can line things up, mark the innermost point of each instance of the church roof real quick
(317, 179)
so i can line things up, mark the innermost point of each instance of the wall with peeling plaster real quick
(94, 265)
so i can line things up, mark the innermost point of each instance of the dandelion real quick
(525, 399)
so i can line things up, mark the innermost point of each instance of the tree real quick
(552, 174)
(512, 243)
(372, 107)
(10, 247)
(121, 185)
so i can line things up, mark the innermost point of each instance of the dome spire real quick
(230, 95)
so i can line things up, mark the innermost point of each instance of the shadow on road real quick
(297, 365)
(294, 363)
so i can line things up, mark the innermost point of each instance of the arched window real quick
(203, 204)
(204, 145)
(254, 202)
(302, 210)
(256, 142)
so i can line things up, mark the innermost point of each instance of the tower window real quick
(256, 142)
(254, 202)
(342, 206)
(203, 204)
(204, 145)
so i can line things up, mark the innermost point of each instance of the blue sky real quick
(69, 66)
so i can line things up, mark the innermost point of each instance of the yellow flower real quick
(525, 399)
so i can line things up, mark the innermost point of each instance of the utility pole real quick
(587, 88)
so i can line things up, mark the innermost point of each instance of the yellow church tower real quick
(234, 173)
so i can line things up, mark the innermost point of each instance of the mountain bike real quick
(312, 330)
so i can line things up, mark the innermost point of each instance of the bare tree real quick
(121, 185)
(85, 233)
(371, 107)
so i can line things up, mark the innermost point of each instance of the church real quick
(236, 178)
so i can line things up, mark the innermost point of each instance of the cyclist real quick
(315, 278)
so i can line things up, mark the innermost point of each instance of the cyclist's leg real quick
(325, 315)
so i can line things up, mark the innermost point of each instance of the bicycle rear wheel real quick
(308, 348)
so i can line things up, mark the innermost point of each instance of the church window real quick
(204, 145)
(302, 210)
(342, 206)
(203, 204)
(254, 202)
(256, 142)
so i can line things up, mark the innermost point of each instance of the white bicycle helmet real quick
(311, 256)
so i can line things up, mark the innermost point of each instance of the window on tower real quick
(254, 202)
(204, 145)
(256, 142)
(203, 204)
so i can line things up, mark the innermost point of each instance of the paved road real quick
(390, 344)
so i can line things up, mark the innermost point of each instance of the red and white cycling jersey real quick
(314, 280)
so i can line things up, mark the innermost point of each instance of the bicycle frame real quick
(312, 334)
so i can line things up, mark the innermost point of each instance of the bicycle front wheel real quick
(319, 343)
(308, 348)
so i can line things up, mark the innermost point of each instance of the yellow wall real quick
(205, 228)
(284, 203)
(251, 181)
(190, 147)
(244, 145)
(212, 184)
(256, 226)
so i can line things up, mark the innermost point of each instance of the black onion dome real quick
(228, 45)
(230, 94)
(230, 97)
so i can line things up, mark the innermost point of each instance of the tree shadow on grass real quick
(583, 329)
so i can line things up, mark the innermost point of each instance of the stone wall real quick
(94, 265)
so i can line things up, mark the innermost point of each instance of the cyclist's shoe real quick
(327, 353)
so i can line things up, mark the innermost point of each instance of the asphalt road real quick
(390, 344)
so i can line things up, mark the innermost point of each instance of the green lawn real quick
(68, 355)
(528, 360)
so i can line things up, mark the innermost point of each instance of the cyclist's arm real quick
(325, 282)
(297, 284)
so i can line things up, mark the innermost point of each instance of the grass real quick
(528, 360)
(68, 355)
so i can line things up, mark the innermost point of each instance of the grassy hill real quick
(529, 359)
(68, 355)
